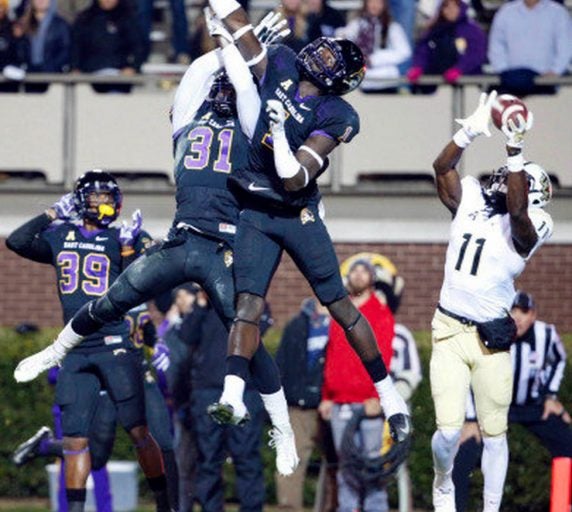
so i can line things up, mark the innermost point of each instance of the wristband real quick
(461, 139)
(222, 8)
(306, 175)
(241, 31)
(515, 163)
(257, 59)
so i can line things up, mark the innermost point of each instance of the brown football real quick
(507, 107)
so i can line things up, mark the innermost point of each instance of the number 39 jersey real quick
(481, 262)
(87, 263)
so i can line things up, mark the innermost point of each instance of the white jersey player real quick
(495, 230)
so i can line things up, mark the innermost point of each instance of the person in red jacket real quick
(347, 389)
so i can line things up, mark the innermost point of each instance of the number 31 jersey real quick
(481, 262)
(87, 263)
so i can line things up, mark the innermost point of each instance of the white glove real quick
(272, 29)
(515, 131)
(215, 26)
(32, 366)
(479, 121)
(277, 115)
(130, 231)
(65, 207)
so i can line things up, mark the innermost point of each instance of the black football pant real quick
(187, 256)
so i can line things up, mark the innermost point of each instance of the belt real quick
(459, 318)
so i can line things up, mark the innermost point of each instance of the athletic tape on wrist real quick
(241, 31)
(515, 163)
(461, 138)
(257, 59)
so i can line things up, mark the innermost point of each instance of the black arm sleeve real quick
(26, 241)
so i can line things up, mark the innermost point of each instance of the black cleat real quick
(400, 427)
(223, 414)
(28, 450)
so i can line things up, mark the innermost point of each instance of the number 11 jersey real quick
(482, 262)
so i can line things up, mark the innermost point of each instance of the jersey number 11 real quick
(480, 243)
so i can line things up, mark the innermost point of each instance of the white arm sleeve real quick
(247, 98)
(194, 88)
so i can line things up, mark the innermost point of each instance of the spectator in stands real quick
(530, 38)
(46, 38)
(404, 13)
(347, 390)
(214, 441)
(294, 12)
(179, 27)
(539, 359)
(9, 56)
(382, 41)
(300, 358)
(106, 41)
(452, 46)
(323, 20)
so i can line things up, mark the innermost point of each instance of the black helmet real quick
(97, 180)
(339, 76)
(222, 96)
(360, 469)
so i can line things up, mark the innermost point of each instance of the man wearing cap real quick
(538, 360)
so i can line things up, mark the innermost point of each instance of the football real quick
(507, 107)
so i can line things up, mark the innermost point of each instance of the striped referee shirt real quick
(538, 362)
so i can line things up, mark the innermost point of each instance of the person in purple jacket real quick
(452, 46)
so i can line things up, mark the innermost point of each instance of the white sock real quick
(67, 339)
(391, 400)
(233, 392)
(494, 465)
(445, 444)
(277, 408)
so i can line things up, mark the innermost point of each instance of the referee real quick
(538, 360)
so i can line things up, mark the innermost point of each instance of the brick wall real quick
(29, 292)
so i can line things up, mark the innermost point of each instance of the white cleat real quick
(286, 456)
(32, 366)
(444, 498)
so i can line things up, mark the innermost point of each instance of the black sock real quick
(83, 323)
(172, 476)
(76, 499)
(237, 365)
(376, 369)
(158, 485)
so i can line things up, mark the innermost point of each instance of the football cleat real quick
(400, 427)
(286, 456)
(28, 450)
(223, 414)
(443, 498)
(32, 366)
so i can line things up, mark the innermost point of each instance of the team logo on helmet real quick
(335, 66)
(539, 185)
